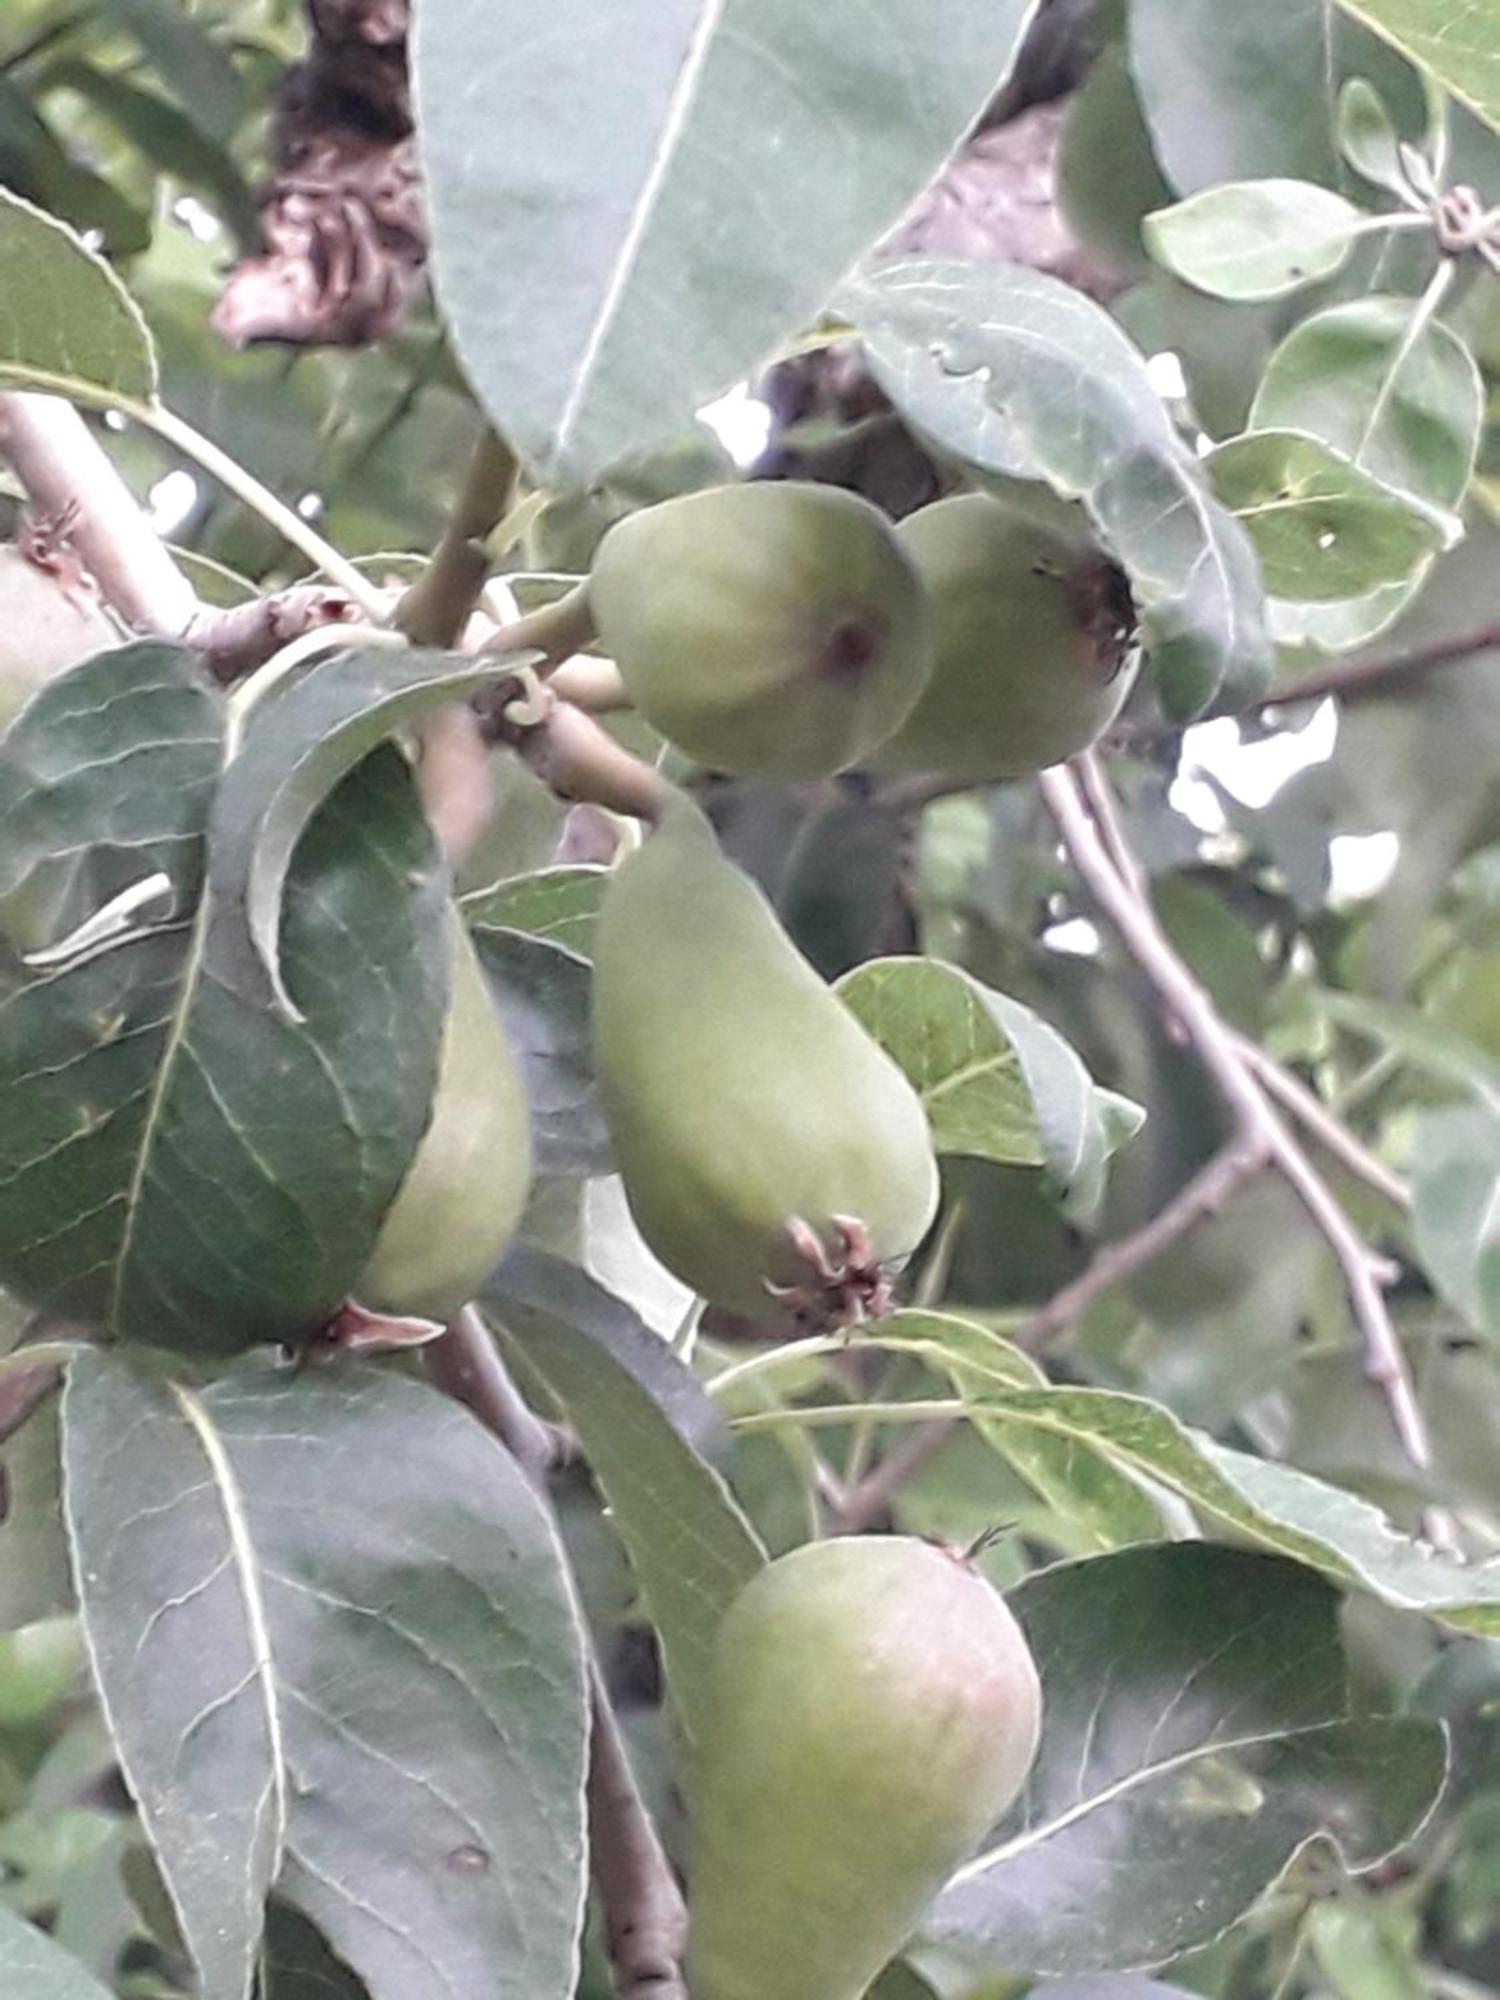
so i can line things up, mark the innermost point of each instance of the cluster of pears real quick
(773, 1155)
(873, 1711)
(790, 631)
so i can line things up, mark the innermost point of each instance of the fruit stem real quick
(435, 610)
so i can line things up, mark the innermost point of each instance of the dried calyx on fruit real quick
(873, 1711)
(773, 1155)
(1033, 632)
(773, 629)
(467, 1184)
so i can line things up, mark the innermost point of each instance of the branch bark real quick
(1187, 1002)
(645, 1917)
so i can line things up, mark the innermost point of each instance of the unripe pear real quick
(772, 628)
(770, 1149)
(873, 1710)
(1032, 631)
(44, 629)
(463, 1193)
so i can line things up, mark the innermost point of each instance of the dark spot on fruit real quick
(851, 648)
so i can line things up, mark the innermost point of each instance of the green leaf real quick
(67, 324)
(1174, 1733)
(644, 1423)
(301, 738)
(1405, 405)
(1275, 1505)
(187, 58)
(34, 1578)
(296, 1964)
(1323, 528)
(997, 1081)
(338, 1653)
(1018, 376)
(619, 189)
(557, 904)
(1083, 1483)
(148, 1088)
(1455, 1168)
(1237, 93)
(544, 995)
(1252, 240)
(1368, 138)
(1456, 41)
(31, 1964)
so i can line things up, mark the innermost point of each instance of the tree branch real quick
(1204, 1195)
(645, 1917)
(1259, 1127)
(1322, 1124)
(71, 481)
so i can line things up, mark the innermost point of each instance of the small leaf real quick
(338, 1653)
(67, 324)
(1323, 528)
(1018, 376)
(34, 1577)
(296, 1964)
(33, 1966)
(544, 996)
(1456, 41)
(1173, 1733)
(573, 160)
(643, 1420)
(1368, 138)
(998, 1082)
(1254, 240)
(558, 904)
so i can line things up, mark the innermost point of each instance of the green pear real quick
(772, 628)
(769, 1147)
(1032, 632)
(44, 629)
(873, 1710)
(467, 1184)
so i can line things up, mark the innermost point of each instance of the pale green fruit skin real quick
(43, 631)
(1029, 660)
(39, 1665)
(467, 1184)
(773, 629)
(873, 1711)
(739, 1091)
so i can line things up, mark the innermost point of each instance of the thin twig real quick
(435, 610)
(1204, 1195)
(1188, 1003)
(1323, 1124)
(645, 1917)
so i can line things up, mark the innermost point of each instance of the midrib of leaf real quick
(247, 1570)
(683, 94)
(176, 1036)
(1037, 1836)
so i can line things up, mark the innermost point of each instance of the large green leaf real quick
(66, 323)
(1018, 376)
(34, 1577)
(1196, 1736)
(544, 994)
(619, 189)
(303, 735)
(1274, 1505)
(558, 905)
(177, 1162)
(1235, 93)
(31, 1965)
(997, 1081)
(644, 1423)
(296, 1964)
(1457, 41)
(338, 1653)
